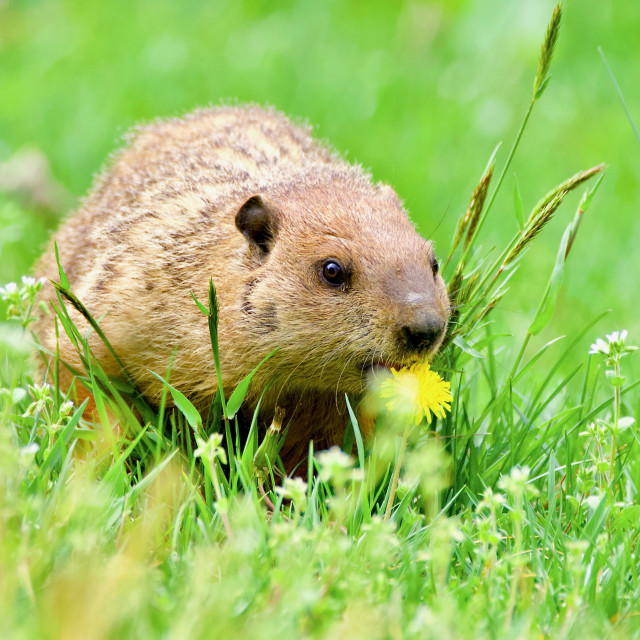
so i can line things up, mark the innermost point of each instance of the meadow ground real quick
(515, 515)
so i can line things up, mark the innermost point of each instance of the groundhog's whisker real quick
(308, 356)
(307, 385)
(327, 359)
(361, 335)
(304, 360)
(346, 364)
(375, 358)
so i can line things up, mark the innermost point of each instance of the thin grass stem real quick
(485, 213)
(396, 474)
(616, 418)
(619, 91)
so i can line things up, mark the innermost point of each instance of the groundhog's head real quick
(339, 281)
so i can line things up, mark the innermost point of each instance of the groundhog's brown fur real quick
(243, 196)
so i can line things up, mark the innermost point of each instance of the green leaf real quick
(590, 193)
(517, 204)
(628, 517)
(356, 432)
(213, 304)
(467, 348)
(213, 333)
(548, 303)
(202, 308)
(617, 381)
(542, 88)
(240, 392)
(140, 402)
(63, 278)
(184, 405)
(251, 445)
(363, 498)
(55, 455)
(119, 463)
(136, 490)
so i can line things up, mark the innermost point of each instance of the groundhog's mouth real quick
(380, 366)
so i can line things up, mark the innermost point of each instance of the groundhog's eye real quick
(435, 267)
(333, 273)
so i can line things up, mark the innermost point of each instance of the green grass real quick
(518, 515)
(511, 519)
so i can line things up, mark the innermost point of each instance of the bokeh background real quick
(420, 92)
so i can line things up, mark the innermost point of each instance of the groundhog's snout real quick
(419, 311)
(424, 332)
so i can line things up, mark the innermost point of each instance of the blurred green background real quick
(420, 92)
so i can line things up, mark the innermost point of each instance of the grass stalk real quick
(485, 213)
(396, 474)
(518, 360)
(515, 556)
(620, 95)
(616, 420)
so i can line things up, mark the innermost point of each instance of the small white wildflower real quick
(625, 423)
(491, 500)
(14, 396)
(40, 390)
(294, 489)
(211, 448)
(9, 289)
(41, 394)
(517, 482)
(593, 501)
(30, 449)
(334, 465)
(614, 347)
(65, 408)
(599, 346)
(28, 281)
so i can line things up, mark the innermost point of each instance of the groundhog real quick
(309, 257)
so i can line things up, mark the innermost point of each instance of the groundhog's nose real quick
(424, 333)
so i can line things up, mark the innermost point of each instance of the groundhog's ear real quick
(258, 224)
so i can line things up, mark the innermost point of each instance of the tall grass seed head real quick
(546, 52)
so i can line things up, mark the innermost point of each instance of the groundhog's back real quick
(159, 223)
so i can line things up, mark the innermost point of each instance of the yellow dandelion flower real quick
(418, 392)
